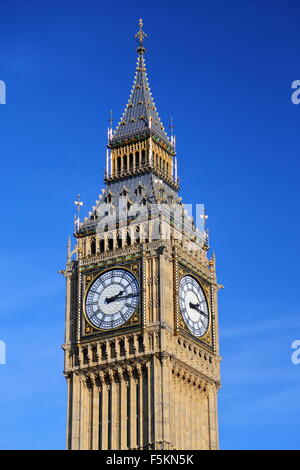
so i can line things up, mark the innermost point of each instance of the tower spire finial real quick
(140, 36)
(78, 204)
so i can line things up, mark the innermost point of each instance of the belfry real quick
(141, 344)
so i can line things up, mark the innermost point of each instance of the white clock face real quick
(193, 306)
(112, 299)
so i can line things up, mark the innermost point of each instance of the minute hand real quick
(128, 295)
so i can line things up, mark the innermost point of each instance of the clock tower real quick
(141, 342)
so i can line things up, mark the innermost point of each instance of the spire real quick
(140, 117)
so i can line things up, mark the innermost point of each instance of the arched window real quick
(101, 245)
(119, 240)
(110, 243)
(128, 239)
(146, 234)
(93, 246)
(143, 157)
(137, 159)
(137, 235)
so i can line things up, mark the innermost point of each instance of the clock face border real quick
(128, 322)
(208, 332)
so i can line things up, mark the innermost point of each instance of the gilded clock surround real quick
(207, 338)
(135, 318)
(148, 384)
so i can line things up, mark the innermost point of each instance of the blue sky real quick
(223, 70)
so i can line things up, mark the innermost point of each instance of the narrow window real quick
(130, 161)
(119, 240)
(125, 163)
(119, 164)
(93, 246)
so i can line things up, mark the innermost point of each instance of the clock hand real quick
(129, 295)
(196, 307)
(114, 297)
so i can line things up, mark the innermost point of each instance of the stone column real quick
(213, 417)
(158, 434)
(123, 411)
(180, 412)
(104, 443)
(114, 413)
(82, 414)
(141, 407)
(76, 413)
(198, 408)
(90, 398)
(165, 398)
(96, 413)
(69, 412)
(149, 371)
(133, 435)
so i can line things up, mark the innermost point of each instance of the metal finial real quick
(171, 126)
(69, 250)
(140, 36)
(78, 204)
(110, 119)
(110, 130)
(173, 138)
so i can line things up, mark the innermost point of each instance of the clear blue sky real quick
(223, 70)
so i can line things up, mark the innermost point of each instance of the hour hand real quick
(196, 307)
(114, 297)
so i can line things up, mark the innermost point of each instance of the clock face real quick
(112, 299)
(193, 306)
